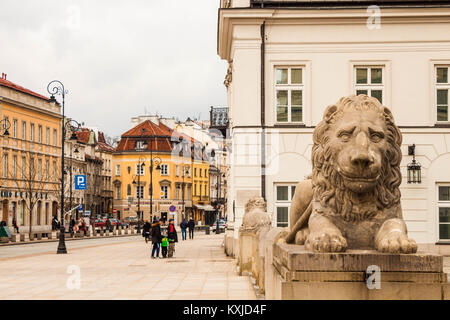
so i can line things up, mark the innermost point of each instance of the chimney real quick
(4, 76)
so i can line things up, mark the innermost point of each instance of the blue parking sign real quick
(80, 182)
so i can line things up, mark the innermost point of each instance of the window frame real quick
(371, 86)
(166, 190)
(289, 87)
(164, 172)
(283, 203)
(441, 204)
(441, 86)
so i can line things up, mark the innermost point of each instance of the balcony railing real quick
(219, 117)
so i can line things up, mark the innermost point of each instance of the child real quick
(164, 245)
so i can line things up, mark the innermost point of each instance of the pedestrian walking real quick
(54, 223)
(164, 245)
(191, 226)
(172, 237)
(14, 222)
(146, 230)
(183, 226)
(108, 225)
(83, 227)
(156, 237)
(72, 226)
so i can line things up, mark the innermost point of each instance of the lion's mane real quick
(328, 185)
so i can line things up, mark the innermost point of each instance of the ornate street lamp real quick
(141, 164)
(56, 87)
(72, 126)
(413, 168)
(6, 125)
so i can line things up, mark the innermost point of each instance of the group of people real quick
(74, 226)
(187, 225)
(161, 240)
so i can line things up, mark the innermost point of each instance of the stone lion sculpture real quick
(255, 215)
(352, 199)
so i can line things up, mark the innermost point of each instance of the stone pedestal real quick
(15, 237)
(301, 274)
(52, 235)
(24, 237)
(247, 250)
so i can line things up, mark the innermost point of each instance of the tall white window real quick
(23, 167)
(444, 212)
(283, 196)
(47, 170)
(55, 137)
(139, 192)
(117, 169)
(289, 90)
(5, 165)
(14, 167)
(54, 171)
(15, 128)
(369, 81)
(442, 88)
(177, 168)
(47, 135)
(140, 169)
(164, 192)
(164, 169)
(24, 130)
(188, 193)
(40, 134)
(39, 169)
(32, 131)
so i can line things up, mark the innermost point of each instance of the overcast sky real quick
(116, 58)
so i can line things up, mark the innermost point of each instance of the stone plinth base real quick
(304, 275)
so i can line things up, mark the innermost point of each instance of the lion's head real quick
(356, 158)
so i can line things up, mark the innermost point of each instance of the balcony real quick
(219, 118)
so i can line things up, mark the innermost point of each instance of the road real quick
(121, 268)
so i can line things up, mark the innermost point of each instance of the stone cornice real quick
(228, 18)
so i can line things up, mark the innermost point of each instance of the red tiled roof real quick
(11, 85)
(83, 135)
(138, 133)
(106, 147)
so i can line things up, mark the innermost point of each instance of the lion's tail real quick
(301, 222)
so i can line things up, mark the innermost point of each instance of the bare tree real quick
(31, 181)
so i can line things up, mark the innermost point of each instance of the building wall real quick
(19, 107)
(125, 178)
(328, 44)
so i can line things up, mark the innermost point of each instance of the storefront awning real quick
(204, 207)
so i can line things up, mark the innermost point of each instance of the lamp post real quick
(141, 164)
(73, 137)
(6, 125)
(56, 87)
(183, 185)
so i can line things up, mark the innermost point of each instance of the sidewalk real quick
(124, 270)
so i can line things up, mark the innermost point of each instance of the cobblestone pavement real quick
(121, 268)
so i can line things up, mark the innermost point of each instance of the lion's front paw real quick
(326, 242)
(397, 242)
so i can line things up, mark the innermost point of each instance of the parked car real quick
(131, 220)
(222, 225)
(98, 223)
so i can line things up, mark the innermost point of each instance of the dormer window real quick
(141, 145)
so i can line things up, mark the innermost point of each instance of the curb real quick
(66, 239)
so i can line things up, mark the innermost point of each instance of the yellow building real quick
(30, 158)
(148, 140)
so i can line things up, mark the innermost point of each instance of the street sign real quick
(81, 207)
(114, 210)
(172, 208)
(80, 182)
